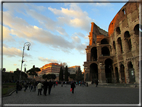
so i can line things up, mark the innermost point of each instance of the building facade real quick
(49, 68)
(113, 56)
(73, 69)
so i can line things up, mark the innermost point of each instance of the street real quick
(82, 95)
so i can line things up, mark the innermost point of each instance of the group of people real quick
(45, 85)
(33, 85)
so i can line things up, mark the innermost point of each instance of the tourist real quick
(72, 86)
(62, 84)
(39, 87)
(31, 87)
(34, 86)
(45, 87)
(26, 86)
(96, 82)
(49, 86)
(17, 86)
(29, 84)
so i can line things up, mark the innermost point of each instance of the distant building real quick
(73, 69)
(50, 68)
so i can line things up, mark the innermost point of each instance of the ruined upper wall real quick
(95, 31)
(122, 16)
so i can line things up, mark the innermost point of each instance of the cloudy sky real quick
(57, 32)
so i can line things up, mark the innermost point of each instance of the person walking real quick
(62, 84)
(72, 86)
(34, 86)
(45, 87)
(39, 87)
(31, 87)
(49, 86)
(17, 86)
(29, 84)
(26, 86)
(96, 82)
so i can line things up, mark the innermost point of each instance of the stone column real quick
(119, 73)
(99, 73)
(103, 77)
(136, 69)
(127, 72)
(114, 74)
(134, 41)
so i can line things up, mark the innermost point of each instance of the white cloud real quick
(74, 16)
(40, 8)
(12, 52)
(6, 34)
(48, 60)
(79, 34)
(15, 64)
(76, 39)
(81, 48)
(20, 28)
(61, 31)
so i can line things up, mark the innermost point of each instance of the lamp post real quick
(25, 44)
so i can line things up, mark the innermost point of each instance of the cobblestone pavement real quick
(82, 95)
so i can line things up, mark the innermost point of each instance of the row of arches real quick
(127, 40)
(104, 52)
(136, 30)
(108, 71)
(112, 76)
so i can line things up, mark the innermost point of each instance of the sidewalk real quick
(82, 95)
(118, 85)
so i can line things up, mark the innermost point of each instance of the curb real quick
(9, 93)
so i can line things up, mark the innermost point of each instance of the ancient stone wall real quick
(115, 54)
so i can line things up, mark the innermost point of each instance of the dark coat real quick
(50, 84)
(96, 82)
(45, 84)
(72, 85)
(17, 85)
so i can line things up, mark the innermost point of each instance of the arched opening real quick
(136, 29)
(94, 54)
(94, 71)
(120, 45)
(104, 41)
(108, 70)
(127, 40)
(117, 75)
(114, 45)
(105, 51)
(131, 72)
(118, 30)
(122, 71)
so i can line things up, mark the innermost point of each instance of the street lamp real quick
(25, 44)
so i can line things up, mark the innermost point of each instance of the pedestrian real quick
(31, 87)
(29, 84)
(45, 87)
(34, 86)
(26, 86)
(49, 87)
(39, 87)
(72, 86)
(56, 83)
(17, 86)
(62, 84)
(96, 82)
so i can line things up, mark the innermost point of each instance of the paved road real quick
(82, 95)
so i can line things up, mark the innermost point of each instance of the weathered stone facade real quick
(113, 56)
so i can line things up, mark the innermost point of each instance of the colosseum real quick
(113, 56)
